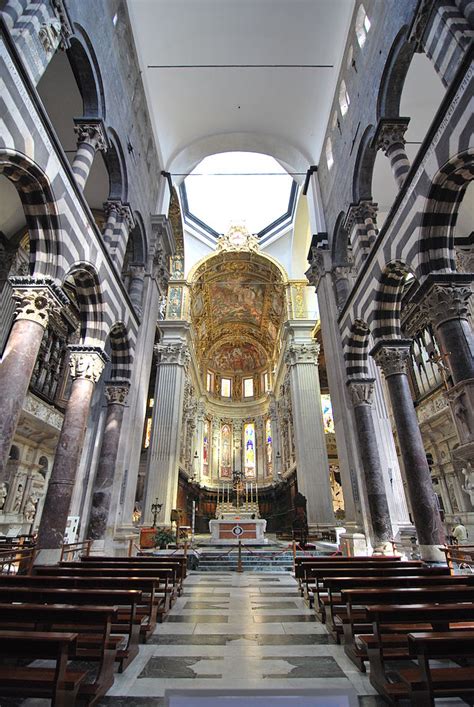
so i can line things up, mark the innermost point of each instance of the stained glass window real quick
(327, 414)
(226, 452)
(249, 451)
(269, 447)
(205, 449)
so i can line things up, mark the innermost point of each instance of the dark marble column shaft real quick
(456, 340)
(35, 303)
(361, 392)
(116, 395)
(392, 359)
(86, 367)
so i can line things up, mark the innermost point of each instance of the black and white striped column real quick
(390, 139)
(91, 137)
(361, 225)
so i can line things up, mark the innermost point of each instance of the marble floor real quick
(234, 631)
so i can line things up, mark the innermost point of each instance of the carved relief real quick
(86, 363)
(302, 353)
(392, 359)
(177, 354)
(445, 302)
(116, 393)
(361, 392)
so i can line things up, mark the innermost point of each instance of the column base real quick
(384, 548)
(98, 547)
(353, 544)
(48, 557)
(432, 553)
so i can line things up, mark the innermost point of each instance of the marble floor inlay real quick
(234, 631)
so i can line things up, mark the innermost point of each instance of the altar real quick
(232, 527)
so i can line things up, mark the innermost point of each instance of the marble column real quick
(163, 460)
(390, 139)
(199, 442)
(36, 300)
(116, 395)
(310, 446)
(215, 444)
(260, 448)
(392, 357)
(112, 213)
(86, 365)
(362, 398)
(361, 225)
(237, 432)
(91, 136)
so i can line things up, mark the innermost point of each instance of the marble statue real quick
(30, 510)
(18, 498)
(468, 485)
(3, 494)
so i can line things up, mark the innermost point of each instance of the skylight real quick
(239, 187)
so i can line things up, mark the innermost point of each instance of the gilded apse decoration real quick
(238, 304)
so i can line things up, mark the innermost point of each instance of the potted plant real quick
(163, 537)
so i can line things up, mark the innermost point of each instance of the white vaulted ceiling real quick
(198, 108)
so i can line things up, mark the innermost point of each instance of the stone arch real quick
(394, 75)
(41, 214)
(90, 301)
(86, 70)
(116, 167)
(340, 241)
(386, 312)
(439, 217)
(139, 240)
(364, 167)
(121, 353)
(356, 350)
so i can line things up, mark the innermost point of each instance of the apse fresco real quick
(237, 301)
(236, 357)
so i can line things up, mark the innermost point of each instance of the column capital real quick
(37, 298)
(392, 356)
(302, 353)
(361, 391)
(390, 132)
(319, 265)
(116, 392)
(360, 213)
(176, 354)
(92, 131)
(126, 214)
(86, 362)
(110, 206)
(445, 301)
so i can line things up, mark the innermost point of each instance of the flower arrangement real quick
(164, 537)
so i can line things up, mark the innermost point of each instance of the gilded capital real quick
(302, 353)
(116, 392)
(86, 362)
(444, 302)
(37, 299)
(392, 357)
(361, 391)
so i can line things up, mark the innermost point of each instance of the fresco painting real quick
(237, 301)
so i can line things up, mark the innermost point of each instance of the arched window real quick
(205, 448)
(226, 451)
(329, 155)
(350, 56)
(249, 451)
(344, 100)
(362, 26)
(269, 447)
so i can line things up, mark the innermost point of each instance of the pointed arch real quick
(364, 167)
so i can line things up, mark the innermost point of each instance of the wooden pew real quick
(328, 597)
(426, 683)
(303, 563)
(166, 575)
(352, 650)
(92, 625)
(142, 557)
(127, 623)
(391, 625)
(169, 575)
(149, 610)
(315, 575)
